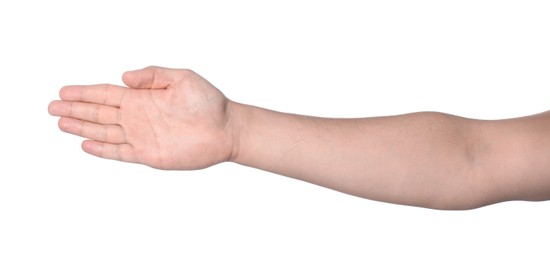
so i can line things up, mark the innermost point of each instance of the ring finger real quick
(104, 133)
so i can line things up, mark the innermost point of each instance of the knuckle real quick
(105, 94)
(186, 73)
(81, 128)
(95, 113)
(123, 137)
(104, 133)
(71, 110)
(117, 154)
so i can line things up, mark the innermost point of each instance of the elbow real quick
(464, 184)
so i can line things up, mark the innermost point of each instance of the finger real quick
(95, 113)
(113, 134)
(151, 77)
(119, 152)
(104, 94)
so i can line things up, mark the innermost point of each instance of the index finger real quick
(104, 94)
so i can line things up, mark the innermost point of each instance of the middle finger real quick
(90, 112)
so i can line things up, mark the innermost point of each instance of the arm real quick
(425, 159)
(174, 119)
(418, 159)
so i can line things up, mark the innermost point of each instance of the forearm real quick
(421, 159)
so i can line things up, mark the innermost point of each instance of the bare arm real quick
(424, 159)
(419, 159)
(513, 159)
(174, 119)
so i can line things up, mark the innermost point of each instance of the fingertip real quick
(151, 77)
(131, 77)
(127, 77)
(50, 108)
(63, 92)
(134, 78)
(70, 93)
(62, 124)
(91, 147)
(85, 145)
(53, 108)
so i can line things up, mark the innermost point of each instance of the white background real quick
(481, 59)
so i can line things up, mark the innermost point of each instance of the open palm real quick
(167, 119)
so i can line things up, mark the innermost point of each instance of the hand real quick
(167, 119)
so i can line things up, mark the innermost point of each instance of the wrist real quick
(233, 128)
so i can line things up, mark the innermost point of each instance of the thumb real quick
(151, 77)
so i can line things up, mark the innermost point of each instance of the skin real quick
(173, 119)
